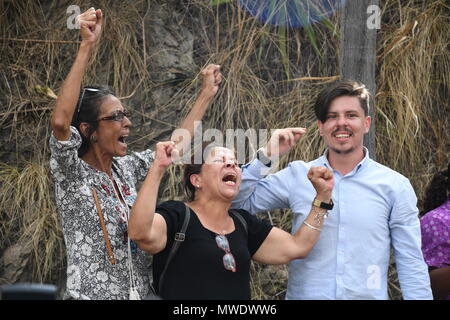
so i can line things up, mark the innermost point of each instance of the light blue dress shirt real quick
(374, 209)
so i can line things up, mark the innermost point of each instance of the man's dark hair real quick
(88, 110)
(339, 89)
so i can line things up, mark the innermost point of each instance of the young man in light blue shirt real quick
(373, 207)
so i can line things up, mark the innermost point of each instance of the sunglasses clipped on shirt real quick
(229, 263)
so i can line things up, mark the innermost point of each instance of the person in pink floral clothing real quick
(435, 225)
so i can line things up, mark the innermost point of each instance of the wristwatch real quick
(323, 205)
(261, 156)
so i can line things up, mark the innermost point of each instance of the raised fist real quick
(211, 80)
(166, 153)
(90, 25)
(322, 180)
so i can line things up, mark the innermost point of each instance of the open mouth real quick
(123, 139)
(230, 179)
(343, 135)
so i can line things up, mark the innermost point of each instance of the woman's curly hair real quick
(437, 191)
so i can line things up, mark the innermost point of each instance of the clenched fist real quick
(90, 25)
(211, 80)
(323, 181)
(165, 154)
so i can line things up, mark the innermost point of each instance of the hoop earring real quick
(93, 139)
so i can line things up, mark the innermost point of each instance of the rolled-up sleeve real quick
(64, 160)
(406, 241)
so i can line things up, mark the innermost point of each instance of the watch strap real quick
(323, 205)
(261, 156)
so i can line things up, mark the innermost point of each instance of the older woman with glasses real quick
(95, 179)
(213, 260)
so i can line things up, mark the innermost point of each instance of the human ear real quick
(320, 125)
(195, 180)
(367, 123)
(84, 129)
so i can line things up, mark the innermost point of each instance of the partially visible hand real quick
(90, 25)
(323, 181)
(283, 140)
(165, 154)
(211, 80)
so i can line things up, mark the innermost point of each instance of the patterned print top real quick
(90, 274)
(436, 236)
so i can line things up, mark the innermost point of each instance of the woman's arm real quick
(440, 282)
(210, 85)
(90, 29)
(280, 246)
(147, 228)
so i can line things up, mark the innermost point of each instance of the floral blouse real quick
(435, 227)
(90, 274)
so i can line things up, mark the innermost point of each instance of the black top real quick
(197, 271)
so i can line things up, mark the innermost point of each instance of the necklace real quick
(212, 226)
(133, 293)
(225, 227)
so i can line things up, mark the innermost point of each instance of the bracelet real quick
(319, 215)
(312, 227)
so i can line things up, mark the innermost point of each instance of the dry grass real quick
(271, 77)
(413, 90)
(29, 217)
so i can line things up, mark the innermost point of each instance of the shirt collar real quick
(363, 163)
